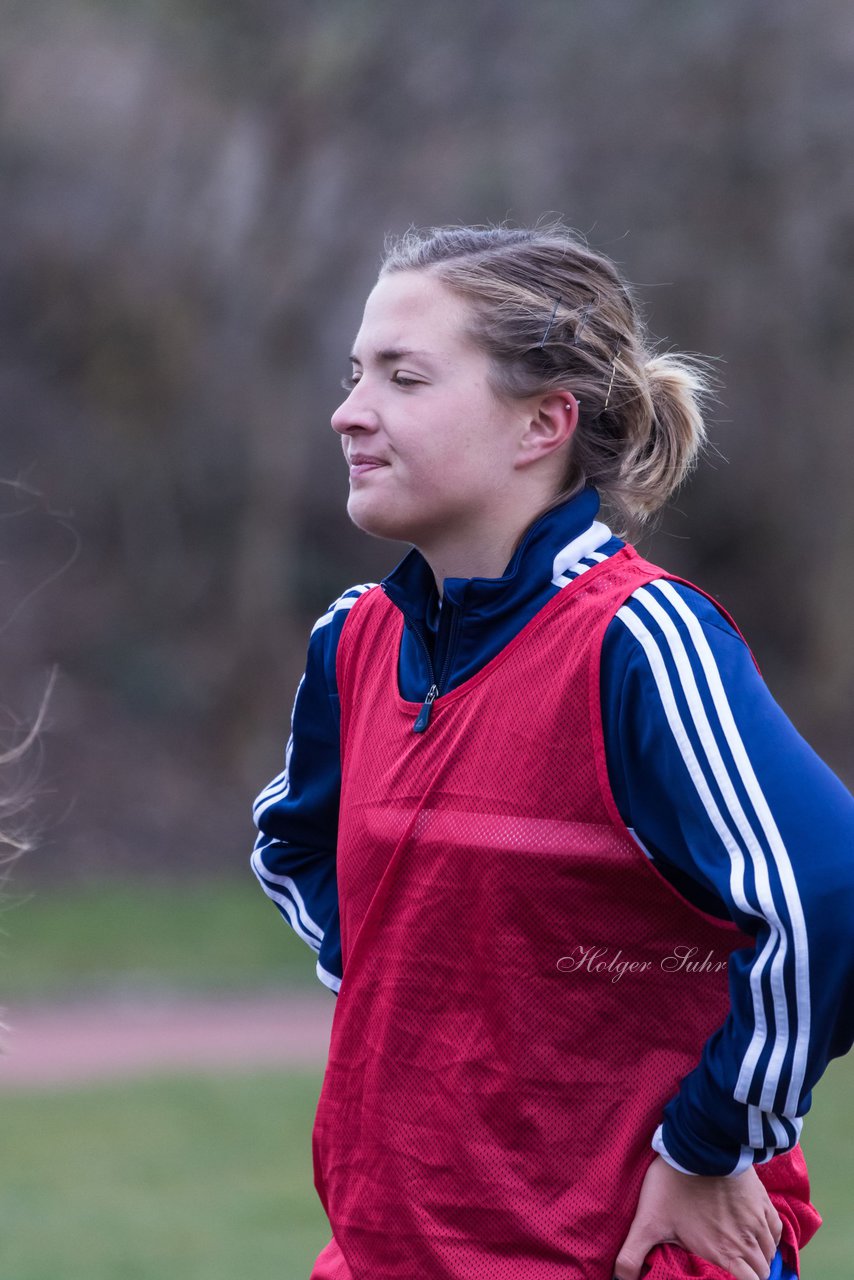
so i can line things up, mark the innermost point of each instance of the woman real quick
(538, 817)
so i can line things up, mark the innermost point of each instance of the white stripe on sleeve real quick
(345, 601)
(328, 979)
(290, 901)
(782, 863)
(736, 818)
(692, 764)
(279, 788)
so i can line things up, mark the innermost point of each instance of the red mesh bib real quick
(494, 1076)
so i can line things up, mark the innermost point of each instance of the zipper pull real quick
(424, 714)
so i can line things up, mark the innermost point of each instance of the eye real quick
(401, 380)
(350, 381)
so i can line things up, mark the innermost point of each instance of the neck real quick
(486, 546)
(475, 559)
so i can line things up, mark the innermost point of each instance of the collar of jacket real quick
(479, 615)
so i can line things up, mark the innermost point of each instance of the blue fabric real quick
(779, 1270)
(707, 772)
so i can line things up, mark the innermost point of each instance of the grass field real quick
(217, 936)
(172, 1179)
(828, 1141)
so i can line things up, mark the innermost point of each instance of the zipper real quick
(422, 720)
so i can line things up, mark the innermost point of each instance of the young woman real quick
(581, 887)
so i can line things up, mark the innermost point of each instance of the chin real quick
(376, 519)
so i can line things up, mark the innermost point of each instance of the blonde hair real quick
(554, 314)
(16, 795)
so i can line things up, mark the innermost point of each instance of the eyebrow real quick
(390, 354)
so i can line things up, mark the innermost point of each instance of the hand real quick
(728, 1221)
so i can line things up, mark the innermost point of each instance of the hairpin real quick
(613, 375)
(581, 323)
(544, 338)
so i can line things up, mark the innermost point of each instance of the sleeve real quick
(297, 813)
(737, 810)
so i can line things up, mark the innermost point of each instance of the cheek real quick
(487, 443)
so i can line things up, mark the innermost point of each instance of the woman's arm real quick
(741, 814)
(747, 822)
(297, 813)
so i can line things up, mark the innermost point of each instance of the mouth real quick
(361, 463)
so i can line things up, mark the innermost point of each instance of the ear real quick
(552, 421)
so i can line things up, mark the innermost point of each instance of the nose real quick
(354, 414)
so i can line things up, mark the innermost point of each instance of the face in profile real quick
(429, 445)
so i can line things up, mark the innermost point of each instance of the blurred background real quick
(193, 197)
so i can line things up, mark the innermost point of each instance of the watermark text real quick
(602, 960)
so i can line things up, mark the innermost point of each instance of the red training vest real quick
(495, 1077)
